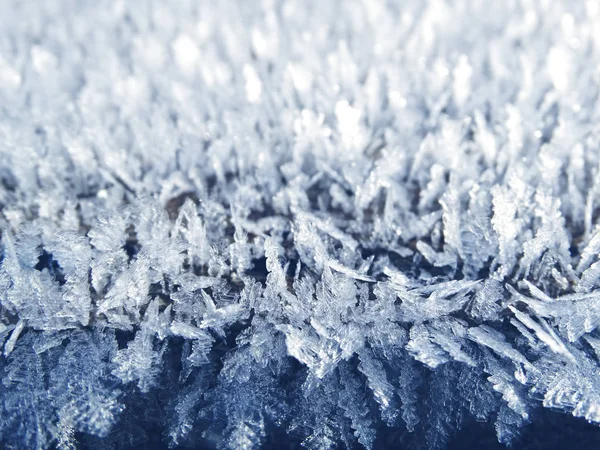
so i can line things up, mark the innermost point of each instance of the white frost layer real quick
(420, 178)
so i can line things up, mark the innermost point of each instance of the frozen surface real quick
(318, 220)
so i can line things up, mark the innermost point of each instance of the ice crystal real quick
(230, 225)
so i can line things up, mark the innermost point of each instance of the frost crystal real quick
(235, 224)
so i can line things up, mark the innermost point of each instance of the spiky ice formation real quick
(244, 224)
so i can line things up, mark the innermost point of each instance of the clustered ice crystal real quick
(314, 219)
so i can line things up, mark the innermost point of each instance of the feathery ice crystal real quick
(318, 220)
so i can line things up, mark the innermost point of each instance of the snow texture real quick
(318, 220)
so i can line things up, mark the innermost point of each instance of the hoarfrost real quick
(238, 222)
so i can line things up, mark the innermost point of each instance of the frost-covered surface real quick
(308, 221)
